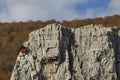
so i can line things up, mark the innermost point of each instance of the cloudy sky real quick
(24, 10)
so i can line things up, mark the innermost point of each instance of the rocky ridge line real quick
(56, 52)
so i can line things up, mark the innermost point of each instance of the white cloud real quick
(23, 10)
(40, 9)
(112, 8)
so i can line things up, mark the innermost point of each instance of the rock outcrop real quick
(56, 52)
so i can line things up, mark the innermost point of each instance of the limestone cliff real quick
(56, 52)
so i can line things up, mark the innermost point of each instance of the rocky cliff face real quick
(59, 53)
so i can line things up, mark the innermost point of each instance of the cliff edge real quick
(56, 52)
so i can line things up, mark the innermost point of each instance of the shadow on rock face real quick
(114, 38)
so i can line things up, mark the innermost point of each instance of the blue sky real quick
(24, 10)
(93, 4)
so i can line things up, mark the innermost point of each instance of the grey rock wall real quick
(56, 52)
